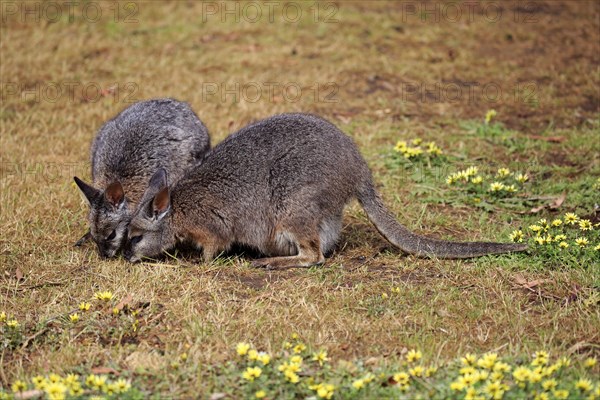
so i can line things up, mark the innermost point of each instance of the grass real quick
(369, 304)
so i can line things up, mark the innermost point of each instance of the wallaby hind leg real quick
(309, 254)
(329, 233)
(84, 238)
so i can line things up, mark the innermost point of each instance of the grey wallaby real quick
(280, 186)
(127, 151)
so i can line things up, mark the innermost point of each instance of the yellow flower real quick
(358, 384)
(291, 376)
(561, 394)
(430, 371)
(521, 374)
(597, 247)
(2, 316)
(296, 360)
(413, 355)
(18, 386)
(557, 222)
(320, 357)
(489, 115)
(122, 385)
(471, 394)
(511, 189)
(571, 218)
(56, 391)
(522, 178)
(264, 358)
(104, 296)
(99, 382)
(585, 385)
(251, 373)
(540, 358)
(457, 386)
(432, 148)
(401, 146)
(416, 141)
(590, 362)
(12, 323)
(252, 355)
(563, 245)
(488, 361)
(299, 348)
(501, 367)
(83, 306)
(74, 317)
(560, 237)
(39, 382)
(401, 378)
(261, 394)
(535, 376)
(581, 242)
(468, 359)
(469, 379)
(494, 389)
(325, 391)
(496, 186)
(242, 348)
(477, 180)
(76, 390)
(549, 384)
(467, 370)
(535, 228)
(416, 371)
(585, 225)
(503, 173)
(541, 396)
(517, 236)
(384, 296)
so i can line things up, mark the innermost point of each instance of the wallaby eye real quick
(135, 240)
(112, 235)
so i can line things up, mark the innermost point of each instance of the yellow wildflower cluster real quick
(10, 323)
(323, 390)
(417, 148)
(503, 183)
(57, 387)
(570, 231)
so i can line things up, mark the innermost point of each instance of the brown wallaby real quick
(278, 185)
(128, 149)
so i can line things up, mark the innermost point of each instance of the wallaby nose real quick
(129, 256)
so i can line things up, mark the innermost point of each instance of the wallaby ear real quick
(161, 203)
(158, 180)
(114, 194)
(90, 192)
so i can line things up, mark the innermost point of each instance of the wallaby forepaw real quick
(83, 239)
(260, 263)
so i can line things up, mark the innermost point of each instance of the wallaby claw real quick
(83, 239)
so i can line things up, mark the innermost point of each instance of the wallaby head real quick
(150, 227)
(108, 216)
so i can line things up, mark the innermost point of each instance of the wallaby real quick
(128, 149)
(278, 185)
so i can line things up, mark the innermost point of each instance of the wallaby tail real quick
(412, 243)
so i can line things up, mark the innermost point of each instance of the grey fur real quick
(127, 151)
(279, 185)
